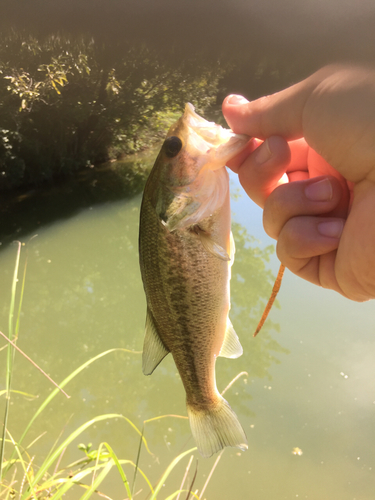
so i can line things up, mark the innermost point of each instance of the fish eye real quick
(172, 146)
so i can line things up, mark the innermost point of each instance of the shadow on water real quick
(23, 212)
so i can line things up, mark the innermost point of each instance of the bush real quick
(69, 102)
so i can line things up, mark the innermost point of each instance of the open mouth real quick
(216, 143)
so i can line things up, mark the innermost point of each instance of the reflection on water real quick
(310, 383)
(84, 295)
(104, 183)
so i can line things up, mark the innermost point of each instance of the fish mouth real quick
(213, 143)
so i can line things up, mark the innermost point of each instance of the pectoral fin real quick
(231, 347)
(211, 246)
(153, 348)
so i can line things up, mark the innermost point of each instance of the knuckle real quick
(278, 209)
(290, 239)
(272, 225)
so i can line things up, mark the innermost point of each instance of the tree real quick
(70, 102)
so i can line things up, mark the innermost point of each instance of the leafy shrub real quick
(68, 102)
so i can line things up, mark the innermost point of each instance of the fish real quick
(186, 250)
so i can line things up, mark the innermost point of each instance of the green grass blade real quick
(63, 383)
(32, 396)
(137, 462)
(211, 472)
(98, 480)
(51, 459)
(10, 358)
(120, 469)
(21, 297)
(169, 469)
(24, 466)
(13, 294)
(64, 484)
(159, 417)
(174, 495)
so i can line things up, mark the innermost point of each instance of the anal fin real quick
(231, 347)
(232, 249)
(154, 350)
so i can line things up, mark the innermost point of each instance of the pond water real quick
(305, 392)
(306, 401)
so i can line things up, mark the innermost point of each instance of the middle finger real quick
(316, 196)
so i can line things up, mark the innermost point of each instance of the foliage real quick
(50, 479)
(251, 285)
(70, 102)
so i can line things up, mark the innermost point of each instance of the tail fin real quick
(215, 428)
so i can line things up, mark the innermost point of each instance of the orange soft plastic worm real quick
(275, 289)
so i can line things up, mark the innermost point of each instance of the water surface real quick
(310, 372)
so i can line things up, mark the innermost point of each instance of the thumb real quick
(277, 114)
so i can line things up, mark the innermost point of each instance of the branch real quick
(34, 364)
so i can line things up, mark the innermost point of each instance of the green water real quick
(310, 381)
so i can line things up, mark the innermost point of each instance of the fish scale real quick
(185, 258)
(184, 321)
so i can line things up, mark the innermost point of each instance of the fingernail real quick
(263, 153)
(319, 191)
(235, 100)
(331, 228)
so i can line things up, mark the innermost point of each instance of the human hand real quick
(320, 207)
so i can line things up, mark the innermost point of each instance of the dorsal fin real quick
(154, 350)
(231, 347)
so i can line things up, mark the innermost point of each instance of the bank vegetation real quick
(67, 103)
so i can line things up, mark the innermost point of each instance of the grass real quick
(26, 477)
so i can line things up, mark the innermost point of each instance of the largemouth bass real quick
(186, 251)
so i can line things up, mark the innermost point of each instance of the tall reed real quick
(49, 478)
